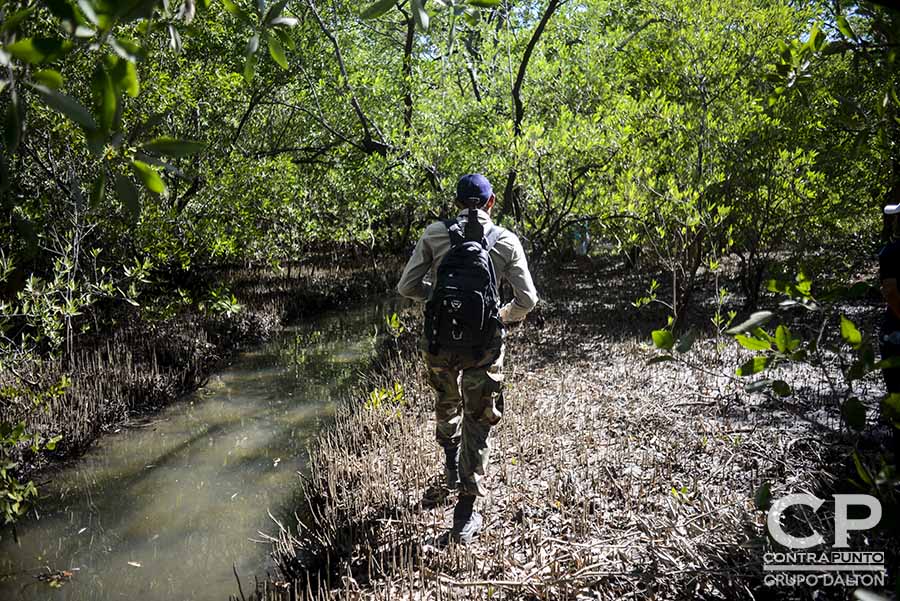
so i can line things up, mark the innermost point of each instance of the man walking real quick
(889, 335)
(463, 341)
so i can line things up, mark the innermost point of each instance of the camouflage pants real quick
(469, 401)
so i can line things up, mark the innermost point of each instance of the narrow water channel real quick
(163, 511)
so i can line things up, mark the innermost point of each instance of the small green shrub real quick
(16, 496)
(382, 397)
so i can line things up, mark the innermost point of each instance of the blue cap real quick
(473, 188)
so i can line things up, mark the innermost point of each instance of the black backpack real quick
(464, 310)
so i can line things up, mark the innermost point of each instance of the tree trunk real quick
(510, 198)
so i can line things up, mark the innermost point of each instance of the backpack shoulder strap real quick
(455, 231)
(490, 239)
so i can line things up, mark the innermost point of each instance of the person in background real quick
(889, 335)
(469, 386)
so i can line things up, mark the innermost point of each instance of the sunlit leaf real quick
(149, 176)
(83, 31)
(850, 333)
(845, 29)
(801, 288)
(237, 11)
(762, 335)
(663, 339)
(375, 10)
(188, 11)
(752, 343)
(276, 51)
(252, 45)
(124, 75)
(817, 38)
(250, 67)
(286, 40)
(753, 366)
(782, 339)
(39, 50)
(49, 78)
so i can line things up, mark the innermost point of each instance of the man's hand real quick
(504, 315)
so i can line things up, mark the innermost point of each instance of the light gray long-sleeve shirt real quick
(507, 255)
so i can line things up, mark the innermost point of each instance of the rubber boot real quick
(466, 521)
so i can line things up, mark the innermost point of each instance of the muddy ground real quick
(610, 478)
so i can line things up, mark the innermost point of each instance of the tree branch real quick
(369, 144)
(523, 66)
(474, 81)
(195, 186)
(510, 199)
(311, 150)
(254, 100)
(407, 76)
(320, 119)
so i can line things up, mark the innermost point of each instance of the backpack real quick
(464, 310)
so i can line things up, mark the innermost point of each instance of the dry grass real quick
(609, 479)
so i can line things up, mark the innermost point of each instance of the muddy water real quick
(163, 511)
